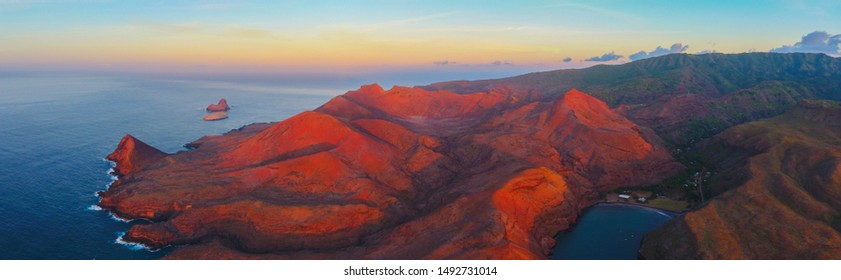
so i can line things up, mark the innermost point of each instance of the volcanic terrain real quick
(400, 174)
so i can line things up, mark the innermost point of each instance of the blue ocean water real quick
(54, 132)
(608, 232)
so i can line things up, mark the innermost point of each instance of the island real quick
(219, 107)
(215, 116)
(405, 173)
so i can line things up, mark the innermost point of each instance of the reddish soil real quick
(400, 174)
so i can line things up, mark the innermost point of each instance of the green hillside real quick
(688, 97)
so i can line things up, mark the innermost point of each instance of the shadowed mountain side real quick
(684, 97)
(397, 174)
(780, 193)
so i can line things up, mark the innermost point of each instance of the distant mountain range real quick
(777, 185)
(687, 97)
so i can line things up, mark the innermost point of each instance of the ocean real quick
(55, 132)
(609, 232)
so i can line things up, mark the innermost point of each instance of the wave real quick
(110, 171)
(663, 213)
(132, 245)
(113, 217)
(113, 177)
(95, 208)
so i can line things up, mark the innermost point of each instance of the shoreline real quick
(639, 205)
(660, 202)
(134, 246)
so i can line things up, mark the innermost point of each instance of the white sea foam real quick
(664, 214)
(111, 169)
(110, 173)
(113, 179)
(658, 211)
(131, 245)
(118, 218)
(94, 208)
(655, 210)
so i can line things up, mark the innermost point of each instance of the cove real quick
(608, 232)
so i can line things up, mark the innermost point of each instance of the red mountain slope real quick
(398, 174)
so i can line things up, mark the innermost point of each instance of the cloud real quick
(418, 19)
(175, 28)
(499, 63)
(248, 32)
(708, 52)
(394, 24)
(659, 51)
(568, 59)
(492, 63)
(816, 7)
(605, 57)
(815, 42)
(597, 10)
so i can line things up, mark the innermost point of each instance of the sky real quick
(399, 35)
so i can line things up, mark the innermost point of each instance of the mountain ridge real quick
(777, 192)
(488, 176)
(684, 97)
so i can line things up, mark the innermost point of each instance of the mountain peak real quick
(371, 89)
(586, 107)
(576, 97)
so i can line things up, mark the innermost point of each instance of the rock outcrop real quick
(215, 116)
(779, 186)
(133, 155)
(400, 174)
(219, 107)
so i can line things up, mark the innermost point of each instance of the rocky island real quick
(221, 106)
(215, 116)
(217, 111)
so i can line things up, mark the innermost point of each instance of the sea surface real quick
(55, 132)
(609, 232)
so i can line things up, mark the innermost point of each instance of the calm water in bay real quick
(55, 131)
(608, 232)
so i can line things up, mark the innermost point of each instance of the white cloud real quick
(659, 51)
(815, 42)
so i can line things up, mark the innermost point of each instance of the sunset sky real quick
(306, 36)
